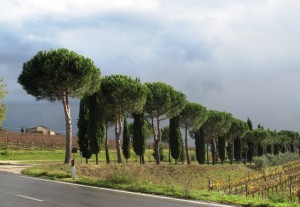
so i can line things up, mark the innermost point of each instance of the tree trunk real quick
(143, 159)
(157, 142)
(169, 152)
(67, 111)
(118, 131)
(188, 160)
(106, 144)
(86, 161)
(97, 161)
(232, 152)
(214, 151)
(207, 154)
(157, 154)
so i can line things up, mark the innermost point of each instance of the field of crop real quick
(32, 141)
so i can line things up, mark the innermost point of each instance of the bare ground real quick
(13, 166)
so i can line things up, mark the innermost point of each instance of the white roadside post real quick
(73, 171)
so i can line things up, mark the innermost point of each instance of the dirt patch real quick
(13, 166)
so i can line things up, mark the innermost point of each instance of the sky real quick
(237, 56)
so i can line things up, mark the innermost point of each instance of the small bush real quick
(279, 198)
(161, 153)
(193, 158)
(261, 162)
(117, 178)
(269, 160)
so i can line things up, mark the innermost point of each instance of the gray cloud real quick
(237, 56)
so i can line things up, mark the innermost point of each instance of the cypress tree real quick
(259, 126)
(260, 150)
(249, 122)
(250, 151)
(237, 149)
(221, 148)
(182, 154)
(269, 149)
(139, 136)
(82, 124)
(200, 146)
(228, 151)
(250, 145)
(276, 149)
(175, 141)
(292, 148)
(96, 124)
(126, 141)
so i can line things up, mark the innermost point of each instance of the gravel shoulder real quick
(15, 167)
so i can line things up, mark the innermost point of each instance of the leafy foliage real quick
(163, 101)
(237, 130)
(217, 124)
(53, 74)
(122, 95)
(192, 116)
(60, 75)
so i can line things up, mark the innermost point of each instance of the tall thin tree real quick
(82, 124)
(126, 141)
(200, 145)
(175, 138)
(96, 124)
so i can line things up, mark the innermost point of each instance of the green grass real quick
(50, 156)
(181, 181)
(36, 155)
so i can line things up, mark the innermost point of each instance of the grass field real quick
(166, 179)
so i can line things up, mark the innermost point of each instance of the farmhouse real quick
(42, 130)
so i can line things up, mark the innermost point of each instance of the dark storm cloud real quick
(237, 56)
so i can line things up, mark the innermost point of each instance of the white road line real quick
(133, 193)
(30, 198)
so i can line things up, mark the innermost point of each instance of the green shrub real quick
(161, 153)
(261, 162)
(274, 160)
(118, 178)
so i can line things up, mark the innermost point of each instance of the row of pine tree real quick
(218, 135)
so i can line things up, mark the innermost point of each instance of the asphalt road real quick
(22, 191)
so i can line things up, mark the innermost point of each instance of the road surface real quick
(22, 191)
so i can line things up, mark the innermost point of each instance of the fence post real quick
(291, 188)
(210, 184)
